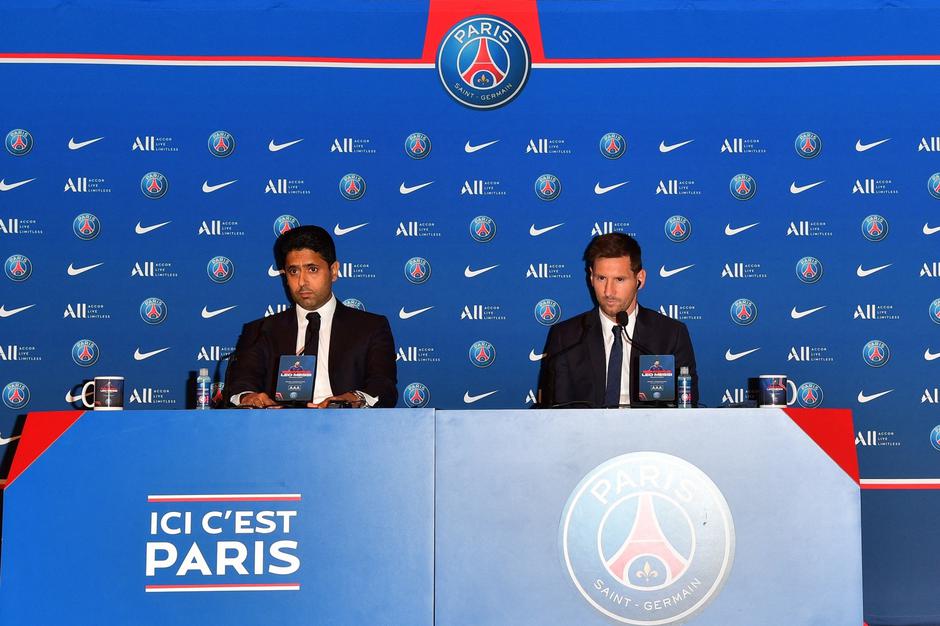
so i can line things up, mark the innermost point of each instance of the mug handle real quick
(85, 394)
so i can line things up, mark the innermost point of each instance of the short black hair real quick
(305, 238)
(611, 246)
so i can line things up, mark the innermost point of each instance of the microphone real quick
(622, 318)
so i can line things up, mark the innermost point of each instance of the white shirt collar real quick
(325, 311)
(607, 326)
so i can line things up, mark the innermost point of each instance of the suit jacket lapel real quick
(639, 330)
(338, 345)
(595, 345)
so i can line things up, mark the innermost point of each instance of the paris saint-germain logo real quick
(547, 312)
(809, 269)
(612, 145)
(153, 310)
(630, 541)
(678, 228)
(934, 311)
(417, 270)
(353, 303)
(15, 395)
(284, 223)
(416, 396)
(809, 395)
(221, 144)
(876, 353)
(483, 62)
(417, 146)
(743, 187)
(934, 434)
(18, 268)
(85, 352)
(154, 185)
(86, 226)
(933, 185)
(18, 142)
(547, 187)
(743, 312)
(220, 269)
(482, 228)
(482, 353)
(352, 186)
(874, 228)
(808, 145)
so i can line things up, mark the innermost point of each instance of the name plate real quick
(295, 378)
(657, 380)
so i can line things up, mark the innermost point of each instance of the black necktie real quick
(614, 367)
(312, 337)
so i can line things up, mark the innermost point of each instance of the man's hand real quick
(349, 397)
(258, 401)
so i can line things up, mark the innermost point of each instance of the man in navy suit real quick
(355, 350)
(592, 359)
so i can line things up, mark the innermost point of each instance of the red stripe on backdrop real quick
(39, 433)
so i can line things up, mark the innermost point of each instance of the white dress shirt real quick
(321, 384)
(607, 328)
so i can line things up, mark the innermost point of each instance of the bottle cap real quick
(684, 370)
(203, 371)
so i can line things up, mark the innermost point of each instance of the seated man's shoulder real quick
(573, 323)
(364, 318)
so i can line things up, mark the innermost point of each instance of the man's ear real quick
(640, 279)
(334, 270)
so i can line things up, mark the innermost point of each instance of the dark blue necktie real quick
(614, 367)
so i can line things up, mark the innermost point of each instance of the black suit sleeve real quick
(380, 369)
(246, 369)
(552, 369)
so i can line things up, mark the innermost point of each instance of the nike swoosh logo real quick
(471, 149)
(602, 190)
(799, 314)
(468, 399)
(929, 230)
(535, 357)
(207, 188)
(794, 188)
(664, 148)
(78, 145)
(863, 398)
(75, 271)
(273, 147)
(143, 230)
(862, 147)
(862, 273)
(731, 232)
(339, 231)
(5, 313)
(405, 189)
(140, 356)
(469, 273)
(535, 232)
(5, 186)
(930, 356)
(207, 314)
(273, 272)
(5, 440)
(70, 398)
(734, 356)
(403, 314)
(667, 273)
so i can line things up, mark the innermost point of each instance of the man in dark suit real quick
(591, 360)
(355, 350)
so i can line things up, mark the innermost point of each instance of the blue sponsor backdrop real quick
(139, 248)
(86, 247)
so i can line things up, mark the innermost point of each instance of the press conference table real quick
(433, 517)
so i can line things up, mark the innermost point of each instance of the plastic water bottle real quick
(684, 383)
(203, 389)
